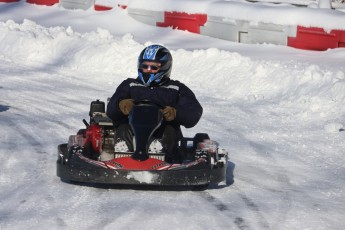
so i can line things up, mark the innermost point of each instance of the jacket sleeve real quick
(188, 108)
(113, 110)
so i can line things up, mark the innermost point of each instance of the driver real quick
(154, 84)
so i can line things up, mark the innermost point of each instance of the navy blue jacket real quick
(171, 93)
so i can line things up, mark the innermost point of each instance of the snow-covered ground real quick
(279, 111)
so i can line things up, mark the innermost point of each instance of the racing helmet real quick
(159, 54)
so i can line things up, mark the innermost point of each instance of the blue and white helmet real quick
(159, 54)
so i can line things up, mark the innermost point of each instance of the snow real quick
(281, 14)
(278, 111)
(142, 177)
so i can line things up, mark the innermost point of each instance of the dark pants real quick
(168, 135)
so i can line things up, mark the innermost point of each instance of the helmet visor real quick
(150, 66)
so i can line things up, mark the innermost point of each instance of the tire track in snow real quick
(36, 175)
(24, 88)
(255, 209)
(47, 119)
(239, 222)
(34, 143)
(22, 189)
(285, 194)
(278, 175)
(248, 202)
(26, 140)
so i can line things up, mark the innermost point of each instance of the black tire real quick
(199, 137)
(82, 132)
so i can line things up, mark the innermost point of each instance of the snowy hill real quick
(278, 111)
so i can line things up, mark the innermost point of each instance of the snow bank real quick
(226, 75)
(37, 45)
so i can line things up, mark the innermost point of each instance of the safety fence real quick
(227, 28)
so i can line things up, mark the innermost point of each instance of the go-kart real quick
(92, 156)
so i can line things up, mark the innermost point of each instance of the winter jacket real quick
(171, 93)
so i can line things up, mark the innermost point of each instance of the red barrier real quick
(43, 2)
(102, 8)
(317, 39)
(98, 7)
(183, 21)
(122, 6)
(341, 42)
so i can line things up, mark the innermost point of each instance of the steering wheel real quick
(149, 102)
